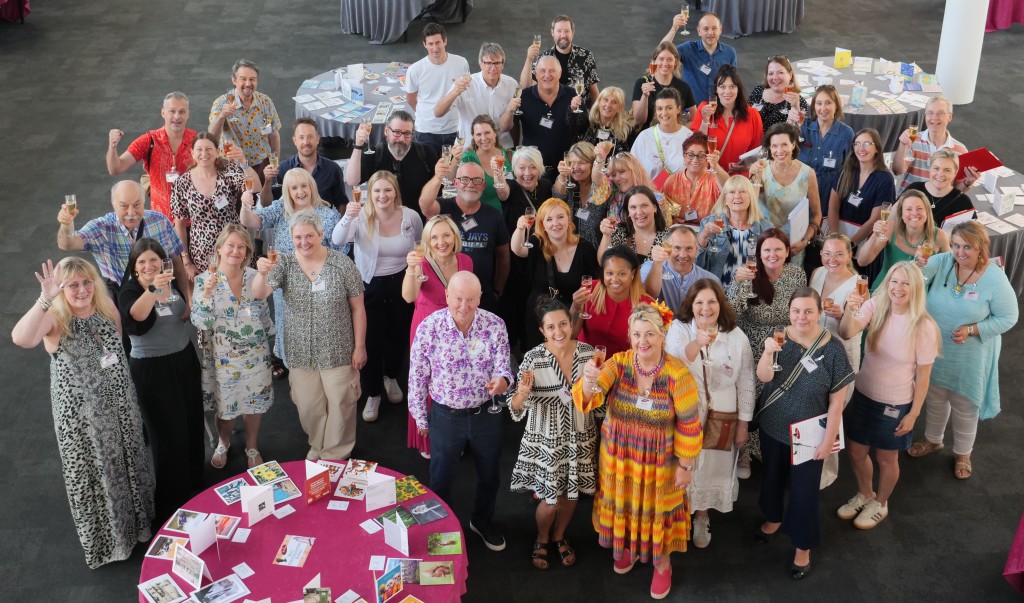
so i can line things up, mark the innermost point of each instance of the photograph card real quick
(389, 584)
(189, 567)
(410, 569)
(349, 487)
(257, 503)
(427, 511)
(227, 589)
(229, 492)
(226, 524)
(267, 473)
(437, 572)
(444, 543)
(294, 550)
(162, 589)
(316, 595)
(163, 547)
(183, 520)
(284, 491)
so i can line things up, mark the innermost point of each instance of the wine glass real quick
(367, 127)
(780, 338)
(651, 69)
(269, 242)
(499, 174)
(685, 12)
(357, 194)
(912, 133)
(234, 101)
(168, 268)
(531, 215)
(786, 106)
(762, 160)
(494, 408)
(420, 249)
(537, 40)
(578, 85)
(751, 263)
(713, 104)
(71, 203)
(886, 211)
(519, 95)
(587, 282)
(712, 331)
(719, 222)
(567, 158)
(665, 274)
(448, 190)
(274, 159)
(862, 291)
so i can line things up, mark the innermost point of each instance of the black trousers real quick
(388, 320)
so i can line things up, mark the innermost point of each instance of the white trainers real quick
(372, 409)
(743, 466)
(393, 391)
(701, 530)
(871, 515)
(854, 506)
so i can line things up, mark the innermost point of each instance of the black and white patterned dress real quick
(107, 468)
(557, 454)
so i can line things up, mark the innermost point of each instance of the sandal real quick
(277, 368)
(539, 556)
(924, 448)
(220, 456)
(254, 457)
(566, 552)
(962, 466)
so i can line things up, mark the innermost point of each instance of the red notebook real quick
(981, 159)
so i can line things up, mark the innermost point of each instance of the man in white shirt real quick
(426, 83)
(485, 93)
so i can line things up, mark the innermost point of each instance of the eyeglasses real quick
(935, 114)
(492, 63)
(690, 156)
(401, 133)
(828, 256)
(464, 180)
(75, 286)
(865, 144)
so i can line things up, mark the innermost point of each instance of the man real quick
(485, 237)
(411, 162)
(702, 58)
(165, 153)
(110, 238)
(330, 180)
(486, 93)
(250, 122)
(684, 273)
(938, 113)
(426, 83)
(546, 122)
(576, 63)
(460, 358)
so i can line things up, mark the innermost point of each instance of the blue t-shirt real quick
(481, 240)
(694, 56)
(878, 189)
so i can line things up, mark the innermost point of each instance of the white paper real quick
(964, 216)
(377, 562)
(338, 505)
(314, 583)
(243, 571)
(799, 220)
(257, 503)
(807, 435)
(203, 535)
(988, 180)
(750, 157)
(284, 511)
(380, 491)
(1015, 219)
(370, 526)
(1003, 201)
(1001, 227)
(396, 535)
(241, 535)
(984, 218)
(349, 596)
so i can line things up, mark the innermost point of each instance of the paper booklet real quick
(807, 435)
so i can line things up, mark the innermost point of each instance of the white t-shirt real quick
(481, 99)
(645, 149)
(430, 83)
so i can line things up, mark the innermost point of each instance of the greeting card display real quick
(318, 482)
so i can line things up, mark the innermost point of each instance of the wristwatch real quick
(152, 289)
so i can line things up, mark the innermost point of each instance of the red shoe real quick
(622, 566)
(661, 583)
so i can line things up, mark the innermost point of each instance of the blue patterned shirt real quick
(107, 239)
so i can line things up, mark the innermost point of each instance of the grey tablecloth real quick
(384, 21)
(889, 125)
(744, 17)
(1009, 246)
(330, 127)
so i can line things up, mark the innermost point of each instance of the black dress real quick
(544, 274)
(510, 306)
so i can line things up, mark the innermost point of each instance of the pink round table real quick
(341, 553)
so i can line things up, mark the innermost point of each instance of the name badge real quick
(829, 162)
(546, 122)
(854, 200)
(727, 369)
(245, 312)
(705, 69)
(108, 360)
(602, 134)
(758, 107)
(809, 364)
(221, 202)
(164, 311)
(469, 224)
(891, 411)
(691, 215)
(318, 286)
(267, 130)
(171, 177)
(565, 396)
(971, 296)
(582, 213)
(645, 403)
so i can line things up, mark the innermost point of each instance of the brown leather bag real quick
(719, 427)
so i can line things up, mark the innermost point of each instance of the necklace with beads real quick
(640, 370)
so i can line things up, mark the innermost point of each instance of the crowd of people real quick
(615, 274)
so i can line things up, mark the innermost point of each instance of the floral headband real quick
(664, 314)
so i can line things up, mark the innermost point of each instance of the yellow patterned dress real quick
(638, 506)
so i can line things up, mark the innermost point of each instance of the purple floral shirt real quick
(452, 368)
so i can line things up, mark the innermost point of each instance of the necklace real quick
(906, 240)
(958, 289)
(653, 371)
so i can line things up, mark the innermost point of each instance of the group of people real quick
(646, 275)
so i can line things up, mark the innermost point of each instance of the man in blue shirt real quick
(702, 58)
(330, 180)
(678, 263)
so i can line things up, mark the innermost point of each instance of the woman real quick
(206, 198)
(648, 446)
(790, 395)
(946, 199)
(298, 192)
(442, 257)
(835, 280)
(166, 373)
(906, 235)
(106, 467)
(974, 306)
(642, 230)
(326, 340)
(608, 121)
(777, 99)
(621, 172)
(731, 121)
(555, 264)
(827, 141)
(731, 379)
(554, 430)
(660, 147)
(902, 344)
(723, 249)
(785, 182)
(612, 300)
(696, 188)
(667, 74)
(587, 202)
(864, 185)
(384, 232)
(235, 324)
(485, 152)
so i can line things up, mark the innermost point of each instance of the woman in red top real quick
(734, 124)
(614, 297)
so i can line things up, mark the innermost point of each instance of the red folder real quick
(981, 159)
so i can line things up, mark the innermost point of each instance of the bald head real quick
(127, 199)
(463, 297)
(548, 72)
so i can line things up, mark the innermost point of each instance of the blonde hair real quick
(623, 122)
(649, 314)
(738, 183)
(632, 166)
(671, 48)
(71, 267)
(847, 243)
(918, 313)
(428, 230)
(547, 247)
(929, 220)
(295, 176)
(238, 229)
(369, 208)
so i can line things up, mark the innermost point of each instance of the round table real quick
(745, 17)
(1010, 245)
(889, 125)
(376, 76)
(341, 553)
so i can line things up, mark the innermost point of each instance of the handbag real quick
(719, 427)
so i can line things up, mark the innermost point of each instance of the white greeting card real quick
(396, 535)
(203, 535)
(189, 567)
(257, 503)
(380, 491)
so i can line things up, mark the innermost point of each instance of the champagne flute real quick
(448, 188)
(685, 12)
(567, 159)
(712, 144)
(665, 274)
(248, 183)
(588, 283)
(651, 69)
(420, 249)
(762, 160)
(713, 104)
(926, 249)
(274, 160)
(862, 291)
(228, 147)
(211, 263)
(367, 127)
(531, 215)
(578, 85)
(168, 268)
(720, 223)
(269, 239)
(519, 94)
(912, 133)
(357, 194)
(600, 354)
(780, 338)
(712, 331)
(499, 174)
(537, 40)
(751, 264)
(886, 211)
(71, 203)
(494, 408)
(827, 303)
(784, 109)
(229, 99)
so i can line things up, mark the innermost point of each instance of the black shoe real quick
(764, 537)
(799, 572)
(490, 535)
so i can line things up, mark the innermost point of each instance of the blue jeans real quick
(801, 518)
(450, 431)
(434, 141)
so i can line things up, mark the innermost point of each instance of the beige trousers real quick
(326, 401)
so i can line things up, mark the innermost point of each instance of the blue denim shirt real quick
(694, 56)
(837, 144)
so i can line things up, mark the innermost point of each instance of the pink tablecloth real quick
(341, 554)
(13, 10)
(1002, 14)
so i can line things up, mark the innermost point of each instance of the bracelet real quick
(970, 330)
(686, 467)
(44, 301)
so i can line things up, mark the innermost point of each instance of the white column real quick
(963, 32)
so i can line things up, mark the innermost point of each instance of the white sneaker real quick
(425, 455)
(701, 530)
(854, 506)
(743, 466)
(372, 408)
(871, 515)
(393, 391)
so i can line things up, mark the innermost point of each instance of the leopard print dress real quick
(106, 465)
